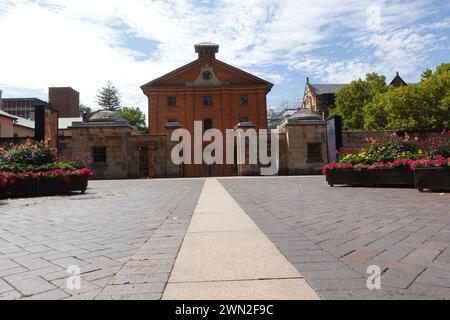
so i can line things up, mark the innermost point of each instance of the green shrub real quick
(388, 149)
(33, 157)
(29, 153)
(20, 167)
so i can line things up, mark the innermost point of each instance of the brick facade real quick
(65, 100)
(234, 96)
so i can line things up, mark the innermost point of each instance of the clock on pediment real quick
(206, 78)
(207, 75)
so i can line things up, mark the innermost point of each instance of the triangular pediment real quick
(206, 72)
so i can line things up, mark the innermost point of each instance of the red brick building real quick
(211, 91)
(65, 100)
(21, 107)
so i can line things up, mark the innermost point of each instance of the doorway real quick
(146, 162)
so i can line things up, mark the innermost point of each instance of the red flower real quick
(334, 166)
(438, 161)
(8, 178)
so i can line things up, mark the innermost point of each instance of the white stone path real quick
(226, 256)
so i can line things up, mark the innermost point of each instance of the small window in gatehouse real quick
(315, 152)
(99, 154)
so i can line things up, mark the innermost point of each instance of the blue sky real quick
(85, 43)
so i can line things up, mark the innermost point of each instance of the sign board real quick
(334, 137)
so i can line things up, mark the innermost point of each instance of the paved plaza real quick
(226, 238)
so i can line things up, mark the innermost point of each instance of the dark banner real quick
(334, 137)
(227, 310)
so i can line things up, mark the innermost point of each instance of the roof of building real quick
(275, 117)
(22, 99)
(105, 116)
(305, 114)
(398, 81)
(322, 88)
(332, 88)
(64, 123)
(65, 88)
(206, 44)
(5, 114)
(102, 118)
(201, 61)
(27, 123)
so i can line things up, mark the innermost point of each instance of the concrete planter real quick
(388, 177)
(350, 177)
(44, 187)
(393, 177)
(432, 178)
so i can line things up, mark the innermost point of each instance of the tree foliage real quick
(134, 116)
(108, 97)
(85, 111)
(425, 105)
(370, 104)
(351, 99)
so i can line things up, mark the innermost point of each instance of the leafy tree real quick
(427, 74)
(85, 111)
(108, 97)
(134, 116)
(425, 105)
(351, 99)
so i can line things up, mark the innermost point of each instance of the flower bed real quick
(432, 178)
(46, 183)
(350, 177)
(395, 162)
(395, 174)
(32, 169)
(433, 174)
(393, 177)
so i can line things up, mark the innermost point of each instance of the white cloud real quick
(81, 43)
(397, 45)
(52, 49)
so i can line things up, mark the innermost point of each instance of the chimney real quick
(206, 49)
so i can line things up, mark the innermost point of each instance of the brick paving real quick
(124, 236)
(331, 235)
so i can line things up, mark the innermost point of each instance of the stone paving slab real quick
(229, 256)
(226, 256)
(331, 235)
(126, 235)
(278, 289)
(99, 231)
(146, 273)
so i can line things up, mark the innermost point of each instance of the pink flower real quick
(438, 161)
(334, 166)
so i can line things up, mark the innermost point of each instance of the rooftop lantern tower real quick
(206, 49)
